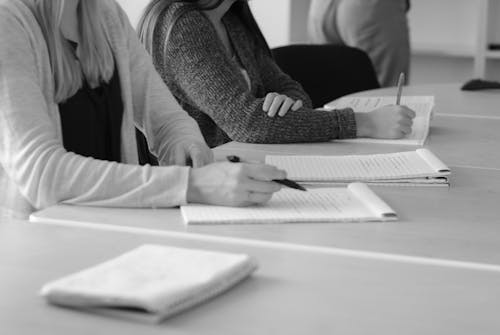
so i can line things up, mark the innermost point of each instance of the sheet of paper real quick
(422, 105)
(315, 205)
(379, 167)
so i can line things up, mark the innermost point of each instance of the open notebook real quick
(151, 282)
(420, 167)
(422, 105)
(356, 202)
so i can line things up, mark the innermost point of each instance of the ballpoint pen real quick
(401, 82)
(285, 182)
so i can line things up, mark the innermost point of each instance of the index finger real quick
(197, 158)
(180, 158)
(409, 112)
(268, 101)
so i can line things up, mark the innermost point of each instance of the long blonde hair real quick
(96, 62)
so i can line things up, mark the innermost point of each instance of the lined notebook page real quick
(402, 165)
(422, 105)
(288, 205)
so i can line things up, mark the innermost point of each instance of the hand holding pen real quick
(387, 122)
(285, 182)
(229, 184)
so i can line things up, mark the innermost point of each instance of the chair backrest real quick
(327, 71)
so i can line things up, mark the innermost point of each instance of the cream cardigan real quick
(36, 171)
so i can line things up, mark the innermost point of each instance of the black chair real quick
(327, 71)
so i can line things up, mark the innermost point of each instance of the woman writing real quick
(74, 81)
(217, 64)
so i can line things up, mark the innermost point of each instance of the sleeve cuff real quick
(346, 123)
(173, 181)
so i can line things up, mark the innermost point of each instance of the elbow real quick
(247, 138)
(37, 180)
(259, 136)
(39, 196)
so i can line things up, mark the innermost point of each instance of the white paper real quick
(371, 200)
(378, 167)
(422, 105)
(288, 205)
(433, 160)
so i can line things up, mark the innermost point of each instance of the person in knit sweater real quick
(74, 81)
(216, 62)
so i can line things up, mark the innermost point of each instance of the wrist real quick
(362, 124)
(193, 194)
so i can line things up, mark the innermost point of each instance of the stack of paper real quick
(420, 167)
(422, 105)
(151, 282)
(348, 204)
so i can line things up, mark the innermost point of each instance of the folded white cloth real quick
(151, 282)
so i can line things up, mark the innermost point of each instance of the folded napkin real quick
(151, 282)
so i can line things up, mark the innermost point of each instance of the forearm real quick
(304, 125)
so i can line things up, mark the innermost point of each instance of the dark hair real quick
(155, 8)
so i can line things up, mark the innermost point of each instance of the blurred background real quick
(452, 40)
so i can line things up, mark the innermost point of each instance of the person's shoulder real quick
(11, 6)
(184, 17)
(11, 10)
(16, 18)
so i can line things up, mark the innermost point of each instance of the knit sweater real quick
(36, 171)
(209, 85)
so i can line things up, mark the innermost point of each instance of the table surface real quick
(460, 223)
(450, 100)
(293, 292)
(441, 232)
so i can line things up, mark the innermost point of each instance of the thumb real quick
(196, 158)
(180, 157)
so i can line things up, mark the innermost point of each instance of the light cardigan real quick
(36, 171)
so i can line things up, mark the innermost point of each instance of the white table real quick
(293, 292)
(436, 271)
(459, 224)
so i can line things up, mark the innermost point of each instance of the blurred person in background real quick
(378, 27)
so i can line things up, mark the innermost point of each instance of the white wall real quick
(273, 17)
(133, 8)
(282, 21)
(444, 24)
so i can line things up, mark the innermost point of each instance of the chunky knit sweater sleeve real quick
(196, 67)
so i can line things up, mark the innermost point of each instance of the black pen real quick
(285, 182)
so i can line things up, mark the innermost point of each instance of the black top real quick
(91, 123)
